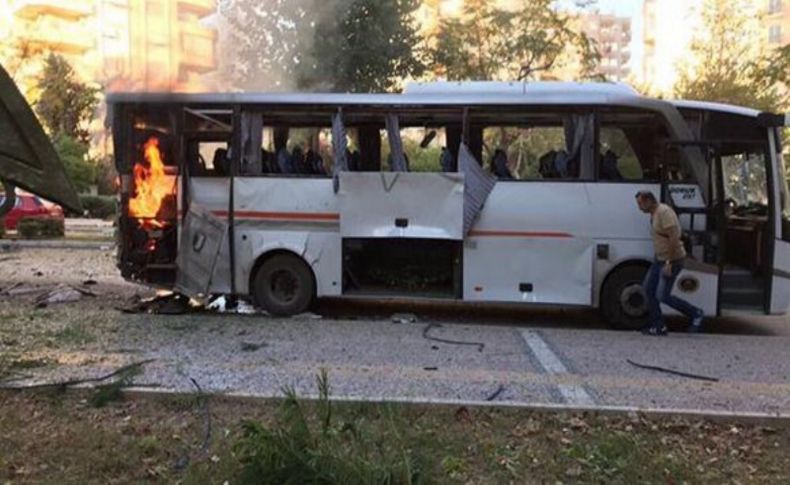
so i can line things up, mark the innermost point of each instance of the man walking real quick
(668, 262)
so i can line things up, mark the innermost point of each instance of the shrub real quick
(97, 207)
(40, 227)
(304, 448)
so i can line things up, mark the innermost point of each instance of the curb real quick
(758, 418)
(12, 245)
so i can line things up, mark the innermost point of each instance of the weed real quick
(75, 334)
(294, 450)
(106, 393)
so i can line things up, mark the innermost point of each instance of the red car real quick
(29, 206)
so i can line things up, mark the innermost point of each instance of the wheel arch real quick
(267, 255)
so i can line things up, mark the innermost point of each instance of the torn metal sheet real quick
(401, 205)
(203, 234)
(478, 183)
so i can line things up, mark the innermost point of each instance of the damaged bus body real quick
(486, 192)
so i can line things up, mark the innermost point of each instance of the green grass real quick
(160, 439)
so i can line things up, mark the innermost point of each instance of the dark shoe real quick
(696, 325)
(657, 331)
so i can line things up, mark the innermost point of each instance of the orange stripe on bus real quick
(485, 233)
(283, 216)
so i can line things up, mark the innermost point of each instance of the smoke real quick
(267, 45)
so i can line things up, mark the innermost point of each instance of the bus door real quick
(779, 302)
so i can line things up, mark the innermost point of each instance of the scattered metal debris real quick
(430, 326)
(672, 371)
(496, 393)
(252, 347)
(121, 371)
(430, 368)
(163, 304)
(62, 294)
(404, 318)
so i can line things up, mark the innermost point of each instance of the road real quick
(451, 353)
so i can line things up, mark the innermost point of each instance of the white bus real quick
(481, 191)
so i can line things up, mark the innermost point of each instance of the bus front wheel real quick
(623, 303)
(283, 285)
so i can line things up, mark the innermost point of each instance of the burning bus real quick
(515, 193)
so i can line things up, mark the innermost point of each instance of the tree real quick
(363, 46)
(344, 45)
(487, 43)
(731, 64)
(66, 105)
(74, 155)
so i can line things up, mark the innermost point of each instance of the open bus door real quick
(27, 158)
(779, 302)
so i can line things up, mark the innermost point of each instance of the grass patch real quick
(74, 334)
(295, 441)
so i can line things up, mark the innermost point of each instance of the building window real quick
(775, 34)
(774, 6)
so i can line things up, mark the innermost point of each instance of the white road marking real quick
(575, 395)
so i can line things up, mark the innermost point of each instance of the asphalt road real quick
(456, 353)
(530, 363)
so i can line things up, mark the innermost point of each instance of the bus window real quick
(305, 151)
(424, 149)
(631, 147)
(745, 182)
(211, 159)
(512, 152)
(617, 159)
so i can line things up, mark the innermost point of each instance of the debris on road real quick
(162, 304)
(496, 393)
(62, 294)
(430, 326)
(404, 318)
(672, 371)
(122, 373)
(221, 304)
(252, 347)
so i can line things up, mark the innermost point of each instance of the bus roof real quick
(425, 94)
(719, 107)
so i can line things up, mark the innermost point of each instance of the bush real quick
(40, 227)
(97, 207)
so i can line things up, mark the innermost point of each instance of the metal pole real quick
(234, 163)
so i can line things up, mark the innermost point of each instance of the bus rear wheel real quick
(623, 302)
(283, 285)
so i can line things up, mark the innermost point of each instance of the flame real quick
(152, 185)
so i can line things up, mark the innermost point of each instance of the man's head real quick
(646, 201)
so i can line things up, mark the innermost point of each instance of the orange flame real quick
(152, 185)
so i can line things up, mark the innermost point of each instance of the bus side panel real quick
(299, 215)
(528, 269)
(780, 284)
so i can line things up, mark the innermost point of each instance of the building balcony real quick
(60, 36)
(71, 9)
(198, 51)
(200, 7)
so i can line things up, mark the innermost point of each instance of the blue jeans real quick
(658, 290)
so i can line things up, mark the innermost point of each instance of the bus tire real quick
(623, 303)
(283, 285)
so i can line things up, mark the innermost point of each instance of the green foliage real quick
(40, 227)
(297, 450)
(731, 64)
(489, 43)
(74, 155)
(345, 45)
(99, 206)
(66, 105)
(113, 391)
(362, 46)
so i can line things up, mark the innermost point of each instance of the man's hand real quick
(667, 269)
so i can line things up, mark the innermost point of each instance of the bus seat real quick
(546, 164)
(298, 161)
(609, 170)
(284, 164)
(446, 161)
(499, 165)
(221, 162)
